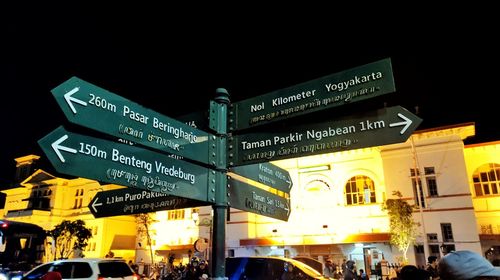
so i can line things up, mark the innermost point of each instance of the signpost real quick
(126, 165)
(161, 182)
(267, 174)
(128, 201)
(93, 107)
(381, 127)
(248, 198)
(348, 86)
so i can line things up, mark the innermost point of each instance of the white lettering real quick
(135, 116)
(356, 80)
(131, 161)
(288, 99)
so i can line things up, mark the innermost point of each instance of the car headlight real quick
(3, 276)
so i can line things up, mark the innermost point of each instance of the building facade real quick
(46, 200)
(340, 195)
(336, 206)
(483, 172)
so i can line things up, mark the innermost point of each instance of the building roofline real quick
(444, 127)
(462, 130)
(482, 144)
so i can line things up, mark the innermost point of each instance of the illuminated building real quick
(43, 199)
(336, 204)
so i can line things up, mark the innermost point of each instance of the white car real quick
(85, 269)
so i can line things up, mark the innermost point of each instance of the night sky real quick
(172, 59)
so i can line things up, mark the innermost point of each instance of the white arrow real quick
(57, 148)
(94, 204)
(70, 99)
(290, 183)
(407, 122)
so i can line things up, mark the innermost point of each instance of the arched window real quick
(360, 190)
(487, 179)
(317, 192)
(317, 185)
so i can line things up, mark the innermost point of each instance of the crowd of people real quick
(196, 269)
(457, 265)
(345, 271)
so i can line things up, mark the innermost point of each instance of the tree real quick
(144, 221)
(69, 238)
(403, 228)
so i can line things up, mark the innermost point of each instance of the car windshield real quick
(114, 269)
(38, 272)
(304, 267)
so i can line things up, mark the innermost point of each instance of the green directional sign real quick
(93, 107)
(334, 90)
(126, 165)
(381, 127)
(129, 201)
(248, 198)
(267, 174)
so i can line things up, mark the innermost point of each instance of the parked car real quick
(85, 269)
(268, 268)
(310, 262)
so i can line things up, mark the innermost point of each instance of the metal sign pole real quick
(218, 122)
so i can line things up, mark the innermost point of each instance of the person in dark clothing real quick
(362, 275)
(288, 274)
(350, 271)
(338, 273)
(411, 272)
(343, 266)
(329, 269)
(432, 265)
(202, 269)
(192, 270)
